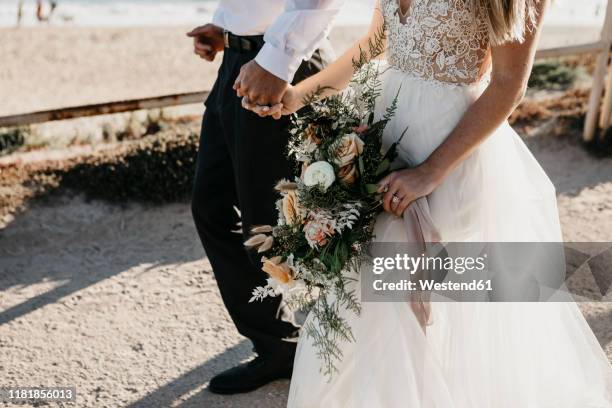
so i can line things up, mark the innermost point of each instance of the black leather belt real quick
(243, 43)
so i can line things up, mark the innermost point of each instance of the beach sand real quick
(121, 302)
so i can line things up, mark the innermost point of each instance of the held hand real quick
(292, 102)
(207, 41)
(259, 86)
(403, 187)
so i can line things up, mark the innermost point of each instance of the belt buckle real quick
(226, 39)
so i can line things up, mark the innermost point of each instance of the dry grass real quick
(571, 105)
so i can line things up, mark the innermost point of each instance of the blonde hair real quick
(508, 20)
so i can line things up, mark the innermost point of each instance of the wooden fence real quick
(599, 113)
(103, 109)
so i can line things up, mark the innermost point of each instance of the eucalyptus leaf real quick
(372, 188)
(384, 166)
(361, 165)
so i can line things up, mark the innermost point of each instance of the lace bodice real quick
(441, 40)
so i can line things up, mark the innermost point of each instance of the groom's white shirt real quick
(293, 29)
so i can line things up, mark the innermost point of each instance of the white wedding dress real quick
(474, 355)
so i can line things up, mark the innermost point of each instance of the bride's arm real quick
(333, 79)
(512, 64)
(337, 76)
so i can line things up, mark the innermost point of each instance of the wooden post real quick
(606, 108)
(601, 68)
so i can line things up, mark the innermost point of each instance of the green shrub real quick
(11, 140)
(157, 169)
(553, 74)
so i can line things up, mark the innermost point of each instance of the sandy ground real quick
(121, 301)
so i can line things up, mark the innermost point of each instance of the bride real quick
(461, 68)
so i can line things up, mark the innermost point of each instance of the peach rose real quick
(348, 173)
(347, 150)
(277, 269)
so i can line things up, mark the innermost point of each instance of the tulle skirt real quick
(474, 355)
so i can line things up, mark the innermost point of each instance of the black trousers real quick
(241, 158)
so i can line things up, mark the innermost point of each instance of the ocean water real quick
(194, 12)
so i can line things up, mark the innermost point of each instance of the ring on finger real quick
(396, 199)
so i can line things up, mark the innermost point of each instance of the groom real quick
(267, 44)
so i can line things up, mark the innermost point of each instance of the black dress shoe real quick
(250, 376)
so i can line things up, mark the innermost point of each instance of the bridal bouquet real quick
(327, 212)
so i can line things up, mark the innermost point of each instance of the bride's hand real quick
(291, 103)
(402, 188)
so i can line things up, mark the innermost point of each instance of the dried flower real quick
(261, 229)
(318, 229)
(277, 269)
(292, 211)
(267, 245)
(255, 241)
(261, 242)
(285, 185)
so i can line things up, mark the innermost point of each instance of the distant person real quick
(19, 12)
(40, 15)
(39, 11)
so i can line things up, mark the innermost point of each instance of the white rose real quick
(319, 173)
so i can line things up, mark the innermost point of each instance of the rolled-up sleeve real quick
(296, 34)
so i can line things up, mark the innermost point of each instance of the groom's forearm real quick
(296, 34)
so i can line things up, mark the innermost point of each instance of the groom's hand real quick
(207, 41)
(259, 86)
